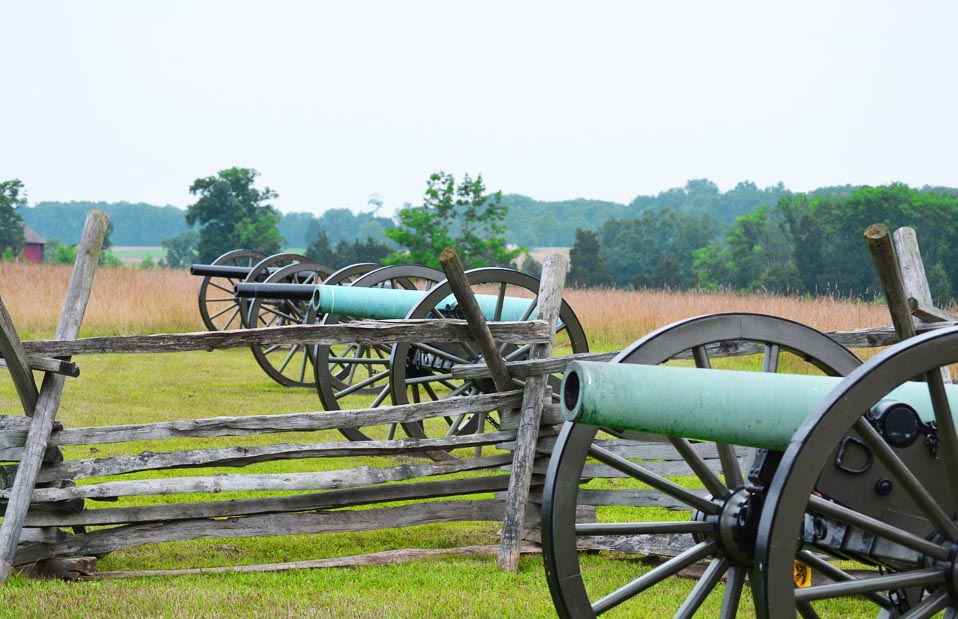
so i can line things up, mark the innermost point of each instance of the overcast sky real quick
(335, 101)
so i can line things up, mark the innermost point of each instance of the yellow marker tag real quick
(803, 575)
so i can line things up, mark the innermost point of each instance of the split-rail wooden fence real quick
(49, 528)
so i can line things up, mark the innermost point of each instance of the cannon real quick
(831, 493)
(360, 376)
(221, 308)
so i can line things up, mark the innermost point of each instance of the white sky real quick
(334, 101)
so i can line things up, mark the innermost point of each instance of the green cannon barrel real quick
(389, 303)
(743, 408)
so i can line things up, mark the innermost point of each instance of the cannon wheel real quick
(602, 516)
(261, 271)
(348, 274)
(932, 574)
(412, 381)
(291, 365)
(219, 309)
(356, 375)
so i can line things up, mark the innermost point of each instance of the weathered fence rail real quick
(306, 502)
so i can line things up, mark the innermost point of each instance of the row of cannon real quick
(244, 289)
(818, 485)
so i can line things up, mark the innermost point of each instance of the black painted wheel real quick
(290, 365)
(420, 372)
(597, 495)
(891, 516)
(219, 308)
(351, 273)
(261, 271)
(357, 375)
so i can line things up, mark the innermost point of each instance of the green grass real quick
(138, 388)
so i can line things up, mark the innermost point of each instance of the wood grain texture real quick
(535, 394)
(360, 332)
(267, 482)
(102, 541)
(48, 402)
(293, 422)
(329, 499)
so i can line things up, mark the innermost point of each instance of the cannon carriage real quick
(814, 489)
(368, 376)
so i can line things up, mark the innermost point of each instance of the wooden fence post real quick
(886, 264)
(550, 302)
(78, 294)
(917, 291)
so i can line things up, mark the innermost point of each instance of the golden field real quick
(127, 300)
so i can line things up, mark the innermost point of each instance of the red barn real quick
(32, 245)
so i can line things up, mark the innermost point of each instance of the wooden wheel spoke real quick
(500, 299)
(375, 378)
(380, 397)
(734, 584)
(829, 570)
(233, 307)
(947, 439)
(713, 574)
(587, 529)
(929, 607)
(442, 354)
(928, 577)
(527, 312)
(698, 465)
(656, 481)
(701, 357)
(806, 611)
(770, 358)
(670, 568)
(228, 291)
(877, 527)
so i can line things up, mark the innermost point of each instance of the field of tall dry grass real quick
(127, 300)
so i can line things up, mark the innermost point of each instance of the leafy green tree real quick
(181, 249)
(345, 254)
(531, 266)
(586, 267)
(233, 214)
(11, 224)
(459, 215)
(656, 249)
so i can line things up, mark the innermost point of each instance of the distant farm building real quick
(32, 245)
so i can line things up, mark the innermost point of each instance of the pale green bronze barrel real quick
(394, 303)
(755, 409)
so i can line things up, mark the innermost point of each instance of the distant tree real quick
(586, 267)
(147, 263)
(345, 254)
(65, 254)
(655, 249)
(531, 266)
(181, 249)
(11, 224)
(233, 214)
(454, 215)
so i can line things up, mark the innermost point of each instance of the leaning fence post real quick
(78, 294)
(469, 307)
(550, 302)
(886, 264)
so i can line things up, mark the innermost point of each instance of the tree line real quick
(528, 222)
(804, 243)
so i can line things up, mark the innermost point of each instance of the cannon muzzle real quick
(279, 292)
(754, 409)
(219, 270)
